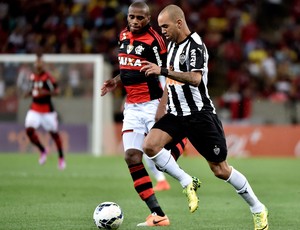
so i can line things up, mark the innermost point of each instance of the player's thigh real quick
(149, 110)
(139, 118)
(33, 119)
(207, 136)
(133, 140)
(172, 126)
(49, 122)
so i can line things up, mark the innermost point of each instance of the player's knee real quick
(30, 131)
(133, 156)
(220, 172)
(148, 148)
(53, 134)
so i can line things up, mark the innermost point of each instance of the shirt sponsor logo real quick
(129, 61)
(158, 60)
(193, 57)
(170, 81)
(38, 84)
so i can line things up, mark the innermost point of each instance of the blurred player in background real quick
(42, 113)
(140, 42)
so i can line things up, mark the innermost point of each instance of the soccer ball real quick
(108, 215)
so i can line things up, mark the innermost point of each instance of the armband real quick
(164, 72)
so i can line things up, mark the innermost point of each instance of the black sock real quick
(158, 211)
(154, 206)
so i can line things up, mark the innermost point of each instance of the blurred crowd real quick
(254, 45)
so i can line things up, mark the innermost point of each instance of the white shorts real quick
(138, 120)
(47, 120)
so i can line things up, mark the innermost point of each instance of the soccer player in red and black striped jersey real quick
(139, 42)
(42, 112)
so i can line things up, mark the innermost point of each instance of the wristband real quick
(164, 72)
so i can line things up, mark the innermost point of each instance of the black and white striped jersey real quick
(187, 56)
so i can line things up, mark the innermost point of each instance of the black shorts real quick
(204, 130)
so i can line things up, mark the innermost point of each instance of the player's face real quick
(39, 66)
(168, 27)
(137, 19)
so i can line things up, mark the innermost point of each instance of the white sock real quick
(167, 163)
(158, 175)
(243, 188)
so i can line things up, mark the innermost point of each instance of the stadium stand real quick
(253, 45)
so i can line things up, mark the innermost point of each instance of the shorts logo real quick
(216, 150)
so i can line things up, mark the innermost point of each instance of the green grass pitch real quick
(42, 197)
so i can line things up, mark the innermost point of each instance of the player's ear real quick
(179, 24)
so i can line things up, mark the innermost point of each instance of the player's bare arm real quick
(54, 92)
(161, 109)
(110, 85)
(192, 78)
(27, 94)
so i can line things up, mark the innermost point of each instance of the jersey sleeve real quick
(196, 59)
(159, 54)
(51, 83)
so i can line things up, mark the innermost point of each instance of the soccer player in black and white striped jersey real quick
(190, 111)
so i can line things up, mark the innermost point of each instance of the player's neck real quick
(183, 35)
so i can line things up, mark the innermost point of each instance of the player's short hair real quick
(174, 12)
(141, 5)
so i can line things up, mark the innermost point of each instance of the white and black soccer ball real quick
(108, 215)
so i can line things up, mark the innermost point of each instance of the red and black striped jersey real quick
(43, 81)
(133, 49)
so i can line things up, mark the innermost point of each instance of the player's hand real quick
(26, 94)
(150, 68)
(108, 86)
